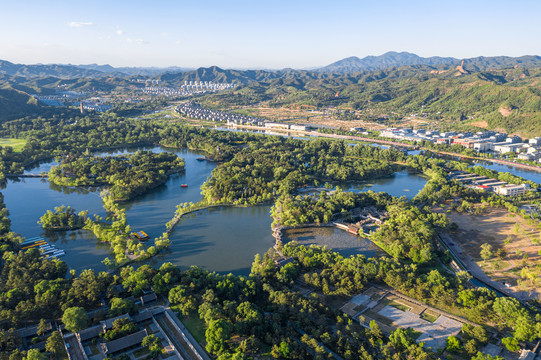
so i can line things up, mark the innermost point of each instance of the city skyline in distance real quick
(263, 35)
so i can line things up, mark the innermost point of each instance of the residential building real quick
(483, 146)
(512, 190)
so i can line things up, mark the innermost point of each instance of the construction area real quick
(514, 245)
(328, 117)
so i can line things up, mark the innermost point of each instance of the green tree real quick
(401, 339)
(34, 354)
(42, 327)
(216, 335)
(453, 344)
(120, 306)
(483, 356)
(486, 251)
(55, 344)
(153, 344)
(75, 319)
(511, 344)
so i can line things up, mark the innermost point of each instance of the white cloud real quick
(120, 32)
(136, 41)
(79, 24)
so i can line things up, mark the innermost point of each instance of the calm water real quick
(223, 239)
(220, 239)
(339, 240)
(402, 183)
(527, 174)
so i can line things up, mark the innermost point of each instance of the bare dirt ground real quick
(481, 124)
(308, 116)
(502, 230)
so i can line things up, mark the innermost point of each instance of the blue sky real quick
(261, 33)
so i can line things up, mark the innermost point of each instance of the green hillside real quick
(15, 104)
(508, 99)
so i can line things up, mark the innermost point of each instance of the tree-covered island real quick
(127, 176)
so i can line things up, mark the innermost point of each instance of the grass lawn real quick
(398, 306)
(429, 317)
(195, 326)
(16, 144)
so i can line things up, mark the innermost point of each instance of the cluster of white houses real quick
(195, 111)
(484, 183)
(482, 141)
(206, 85)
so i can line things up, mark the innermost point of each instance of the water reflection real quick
(339, 240)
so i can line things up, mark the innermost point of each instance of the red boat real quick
(183, 185)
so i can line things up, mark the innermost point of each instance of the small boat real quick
(183, 185)
(201, 159)
(141, 236)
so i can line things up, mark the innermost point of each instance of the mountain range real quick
(345, 66)
(395, 59)
(81, 71)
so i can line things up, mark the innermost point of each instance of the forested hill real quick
(40, 70)
(508, 99)
(14, 104)
(396, 59)
(217, 74)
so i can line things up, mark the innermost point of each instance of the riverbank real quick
(392, 143)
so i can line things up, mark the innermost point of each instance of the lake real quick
(222, 239)
(340, 240)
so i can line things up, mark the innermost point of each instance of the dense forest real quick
(280, 166)
(262, 313)
(127, 175)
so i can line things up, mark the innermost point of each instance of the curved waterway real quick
(223, 239)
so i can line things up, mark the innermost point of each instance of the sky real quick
(261, 34)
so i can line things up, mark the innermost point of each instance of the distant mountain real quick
(39, 70)
(396, 59)
(217, 74)
(141, 71)
(385, 61)
(81, 71)
(482, 63)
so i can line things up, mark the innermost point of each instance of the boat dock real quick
(47, 250)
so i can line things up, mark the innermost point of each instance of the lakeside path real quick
(392, 143)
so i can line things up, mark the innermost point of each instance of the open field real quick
(16, 144)
(517, 237)
(306, 116)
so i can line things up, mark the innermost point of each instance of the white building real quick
(525, 156)
(535, 141)
(506, 147)
(483, 146)
(511, 190)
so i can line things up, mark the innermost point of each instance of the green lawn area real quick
(16, 144)
(398, 306)
(195, 326)
(429, 317)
